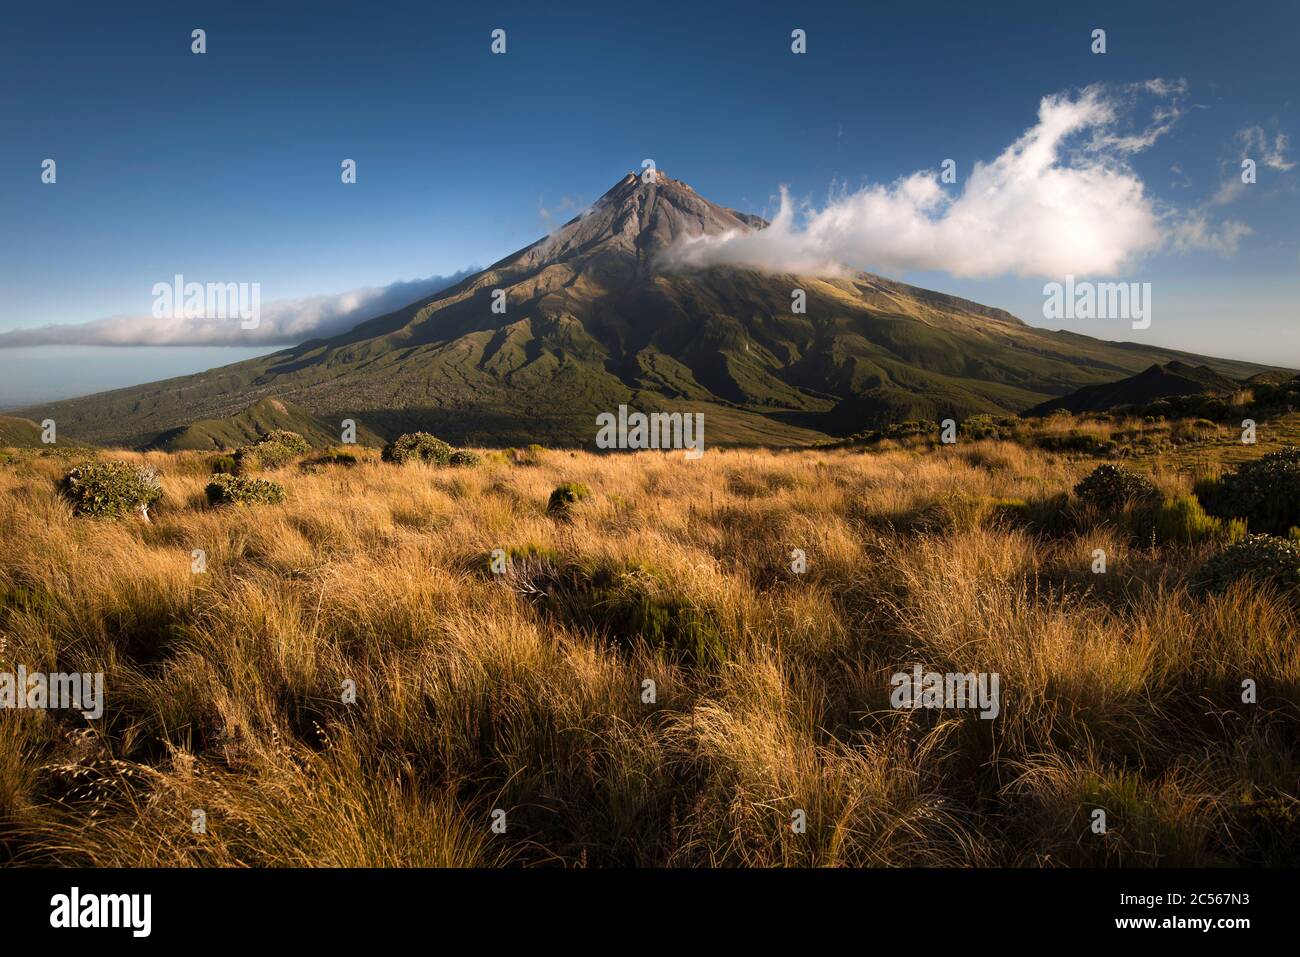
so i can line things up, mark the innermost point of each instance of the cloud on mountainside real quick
(1055, 202)
(283, 322)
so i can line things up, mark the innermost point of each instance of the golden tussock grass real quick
(524, 692)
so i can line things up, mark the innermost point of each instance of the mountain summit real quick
(633, 224)
(589, 318)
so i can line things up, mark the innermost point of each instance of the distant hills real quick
(1156, 382)
(595, 318)
(16, 433)
(19, 433)
(263, 416)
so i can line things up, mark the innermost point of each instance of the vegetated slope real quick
(1156, 382)
(595, 318)
(260, 417)
(18, 433)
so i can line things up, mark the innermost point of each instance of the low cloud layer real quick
(1062, 199)
(283, 322)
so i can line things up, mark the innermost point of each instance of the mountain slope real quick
(16, 433)
(593, 319)
(1156, 382)
(260, 417)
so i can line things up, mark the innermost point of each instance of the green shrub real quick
(290, 440)
(983, 426)
(224, 465)
(899, 431)
(1110, 488)
(109, 489)
(1076, 441)
(1265, 492)
(566, 496)
(344, 457)
(630, 612)
(464, 458)
(1051, 516)
(241, 490)
(418, 447)
(1183, 521)
(626, 604)
(1261, 557)
(271, 451)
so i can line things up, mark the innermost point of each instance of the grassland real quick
(525, 691)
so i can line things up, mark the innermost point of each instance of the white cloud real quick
(1054, 202)
(1272, 154)
(1194, 231)
(283, 322)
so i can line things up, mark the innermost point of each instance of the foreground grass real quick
(524, 692)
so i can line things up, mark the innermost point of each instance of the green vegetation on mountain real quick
(261, 418)
(18, 433)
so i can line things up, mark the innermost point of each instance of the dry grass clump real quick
(693, 660)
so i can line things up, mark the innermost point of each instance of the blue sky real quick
(225, 167)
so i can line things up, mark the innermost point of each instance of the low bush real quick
(985, 426)
(344, 457)
(272, 450)
(464, 458)
(1077, 441)
(110, 489)
(1258, 557)
(1111, 488)
(1265, 492)
(566, 496)
(1182, 520)
(1052, 516)
(241, 490)
(418, 447)
(625, 603)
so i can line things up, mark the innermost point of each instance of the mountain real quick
(1156, 382)
(260, 417)
(16, 433)
(594, 318)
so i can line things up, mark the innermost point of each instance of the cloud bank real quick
(1060, 200)
(283, 322)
